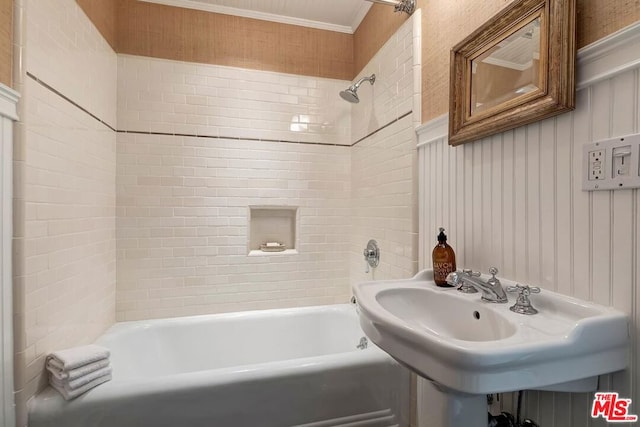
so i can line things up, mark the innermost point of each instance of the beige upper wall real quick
(600, 18)
(103, 14)
(6, 41)
(373, 32)
(445, 23)
(153, 30)
(149, 29)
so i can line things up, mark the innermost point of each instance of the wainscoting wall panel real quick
(515, 201)
(8, 115)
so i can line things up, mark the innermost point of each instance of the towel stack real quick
(77, 370)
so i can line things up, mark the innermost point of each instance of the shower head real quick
(406, 6)
(351, 94)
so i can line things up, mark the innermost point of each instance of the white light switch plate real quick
(611, 164)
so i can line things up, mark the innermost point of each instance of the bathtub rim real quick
(119, 390)
(347, 308)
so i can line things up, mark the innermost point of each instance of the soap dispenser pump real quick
(444, 260)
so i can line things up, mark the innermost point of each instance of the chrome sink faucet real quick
(492, 290)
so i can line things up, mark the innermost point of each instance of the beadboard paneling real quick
(514, 200)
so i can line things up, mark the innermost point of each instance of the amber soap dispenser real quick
(444, 260)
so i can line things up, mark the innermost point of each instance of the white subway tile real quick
(230, 93)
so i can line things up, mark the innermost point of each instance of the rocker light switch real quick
(621, 161)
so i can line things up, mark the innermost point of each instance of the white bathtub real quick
(277, 368)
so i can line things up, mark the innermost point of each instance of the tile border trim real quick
(402, 116)
(69, 100)
(188, 135)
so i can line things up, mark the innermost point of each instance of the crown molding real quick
(245, 13)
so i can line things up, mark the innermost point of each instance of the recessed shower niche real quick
(272, 230)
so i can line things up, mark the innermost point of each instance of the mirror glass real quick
(508, 70)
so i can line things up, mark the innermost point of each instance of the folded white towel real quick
(72, 358)
(71, 375)
(79, 382)
(69, 394)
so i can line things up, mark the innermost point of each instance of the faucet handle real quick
(525, 290)
(466, 288)
(470, 272)
(493, 281)
(523, 304)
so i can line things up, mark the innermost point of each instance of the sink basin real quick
(471, 346)
(472, 321)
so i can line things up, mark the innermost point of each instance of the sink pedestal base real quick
(438, 407)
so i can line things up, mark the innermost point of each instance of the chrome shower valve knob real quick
(371, 255)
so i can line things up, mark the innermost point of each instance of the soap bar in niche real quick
(272, 247)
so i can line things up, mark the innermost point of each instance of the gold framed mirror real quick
(517, 68)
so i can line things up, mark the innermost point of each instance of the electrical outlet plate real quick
(611, 164)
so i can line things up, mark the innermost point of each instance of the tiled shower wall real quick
(248, 138)
(157, 95)
(383, 165)
(64, 190)
(197, 145)
(182, 200)
(383, 203)
(514, 200)
(392, 95)
(183, 221)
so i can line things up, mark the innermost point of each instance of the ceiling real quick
(334, 15)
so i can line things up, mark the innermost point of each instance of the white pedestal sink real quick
(469, 348)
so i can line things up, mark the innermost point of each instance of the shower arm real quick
(406, 6)
(370, 79)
